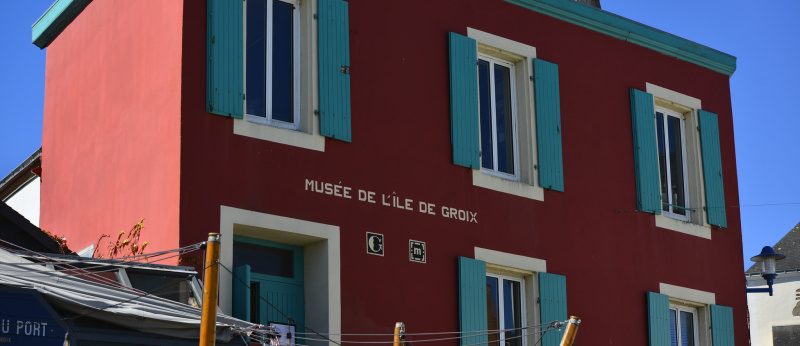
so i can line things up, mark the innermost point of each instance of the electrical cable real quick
(85, 271)
(192, 247)
(440, 333)
(549, 326)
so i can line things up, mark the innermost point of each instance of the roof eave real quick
(628, 30)
(55, 20)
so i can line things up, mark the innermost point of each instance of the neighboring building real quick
(457, 165)
(18, 233)
(20, 188)
(775, 320)
(59, 300)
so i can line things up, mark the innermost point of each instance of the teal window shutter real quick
(722, 325)
(241, 292)
(553, 305)
(548, 125)
(645, 152)
(658, 330)
(472, 301)
(225, 64)
(712, 168)
(464, 131)
(334, 70)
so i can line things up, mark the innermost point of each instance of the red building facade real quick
(362, 172)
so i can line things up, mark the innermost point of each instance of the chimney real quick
(593, 3)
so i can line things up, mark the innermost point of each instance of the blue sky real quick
(763, 35)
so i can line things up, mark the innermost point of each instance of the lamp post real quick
(767, 257)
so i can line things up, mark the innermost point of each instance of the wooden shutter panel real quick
(472, 300)
(548, 125)
(225, 64)
(645, 152)
(658, 330)
(712, 168)
(241, 292)
(334, 70)
(722, 325)
(464, 132)
(552, 305)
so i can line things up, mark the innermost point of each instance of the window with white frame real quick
(272, 62)
(683, 325)
(670, 130)
(678, 160)
(506, 116)
(498, 117)
(505, 307)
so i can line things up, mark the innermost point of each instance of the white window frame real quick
(521, 57)
(321, 259)
(678, 308)
(687, 200)
(687, 106)
(699, 301)
(501, 306)
(306, 135)
(268, 120)
(514, 135)
(524, 268)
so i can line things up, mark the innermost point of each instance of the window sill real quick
(503, 185)
(683, 227)
(278, 135)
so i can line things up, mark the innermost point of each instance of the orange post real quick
(399, 334)
(208, 320)
(572, 329)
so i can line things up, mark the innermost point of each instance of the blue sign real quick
(27, 319)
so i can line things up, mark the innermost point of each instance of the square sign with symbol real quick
(375, 244)
(416, 251)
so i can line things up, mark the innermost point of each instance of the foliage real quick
(126, 244)
(61, 241)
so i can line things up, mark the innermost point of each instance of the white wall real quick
(26, 200)
(766, 311)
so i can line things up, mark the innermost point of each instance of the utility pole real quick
(208, 321)
(572, 330)
(399, 334)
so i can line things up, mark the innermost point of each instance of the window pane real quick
(673, 328)
(512, 313)
(662, 160)
(485, 106)
(493, 309)
(172, 287)
(256, 58)
(504, 120)
(282, 61)
(676, 164)
(687, 329)
(264, 259)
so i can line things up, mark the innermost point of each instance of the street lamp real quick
(767, 257)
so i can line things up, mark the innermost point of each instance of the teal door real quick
(274, 272)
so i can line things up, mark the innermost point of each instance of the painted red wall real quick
(610, 254)
(111, 140)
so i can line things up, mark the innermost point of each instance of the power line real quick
(549, 326)
(441, 333)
